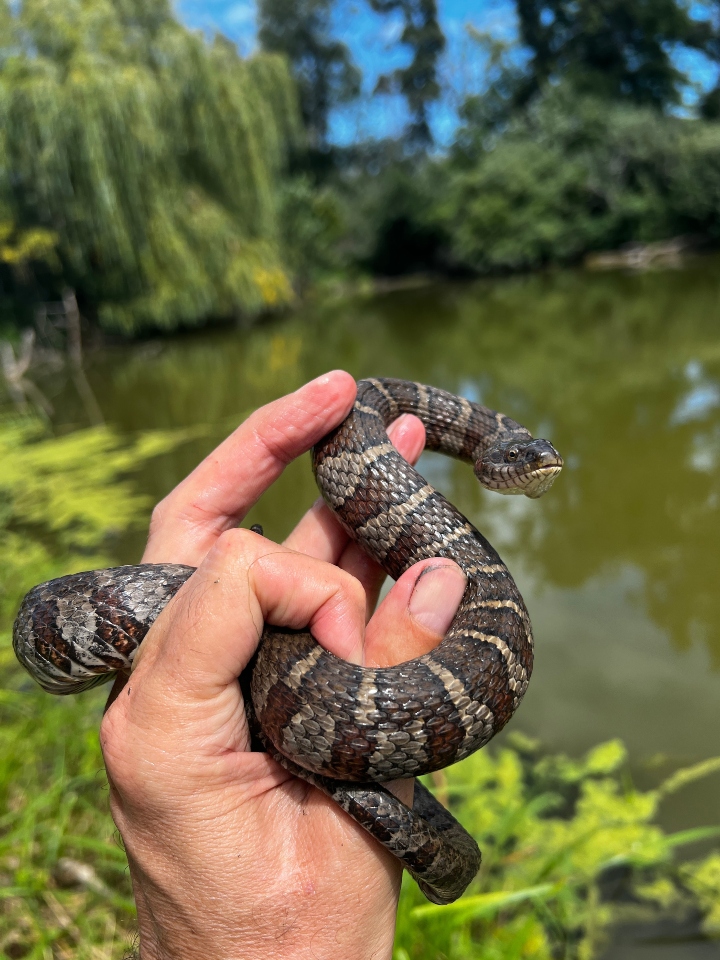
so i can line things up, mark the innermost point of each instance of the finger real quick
(220, 491)
(320, 535)
(416, 614)
(407, 434)
(208, 633)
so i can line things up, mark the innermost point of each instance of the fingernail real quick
(436, 597)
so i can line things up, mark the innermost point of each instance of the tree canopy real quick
(168, 181)
(418, 81)
(620, 49)
(572, 174)
(322, 66)
(149, 153)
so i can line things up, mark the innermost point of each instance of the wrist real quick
(325, 944)
(365, 949)
(281, 923)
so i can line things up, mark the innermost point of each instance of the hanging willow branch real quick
(152, 154)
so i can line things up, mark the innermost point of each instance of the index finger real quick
(221, 490)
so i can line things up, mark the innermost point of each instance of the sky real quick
(372, 40)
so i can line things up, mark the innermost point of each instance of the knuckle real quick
(353, 590)
(235, 545)
(274, 439)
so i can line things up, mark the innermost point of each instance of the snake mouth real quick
(541, 479)
(531, 482)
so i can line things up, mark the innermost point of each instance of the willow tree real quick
(151, 154)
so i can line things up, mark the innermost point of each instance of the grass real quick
(54, 792)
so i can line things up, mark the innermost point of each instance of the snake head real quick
(516, 466)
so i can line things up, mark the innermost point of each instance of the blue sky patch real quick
(373, 42)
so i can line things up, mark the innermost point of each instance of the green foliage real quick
(26, 257)
(704, 881)
(403, 238)
(322, 66)
(313, 223)
(385, 200)
(557, 837)
(507, 86)
(61, 501)
(374, 217)
(151, 155)
(572, 174)
(617, 49)
(18, 248)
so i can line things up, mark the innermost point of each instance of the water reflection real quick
(622, 373)
(700, 400)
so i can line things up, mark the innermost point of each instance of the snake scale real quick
(344, 728)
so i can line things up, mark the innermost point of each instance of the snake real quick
(346, 729)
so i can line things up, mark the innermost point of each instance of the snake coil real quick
(344, 728)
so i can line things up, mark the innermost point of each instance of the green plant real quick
(557, 835)
(312, 226)
(61, 502)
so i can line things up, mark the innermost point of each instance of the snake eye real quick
(512, 454)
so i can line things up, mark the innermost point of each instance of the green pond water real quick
(618, 563)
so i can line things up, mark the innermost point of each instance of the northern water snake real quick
(345, 728)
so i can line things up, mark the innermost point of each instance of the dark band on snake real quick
(342, 727)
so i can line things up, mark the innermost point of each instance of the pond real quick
(618, 563)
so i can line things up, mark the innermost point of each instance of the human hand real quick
(229, 855)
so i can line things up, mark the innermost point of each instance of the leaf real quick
(696, 835)
(487, 904)
(606, 758)
(684, 778)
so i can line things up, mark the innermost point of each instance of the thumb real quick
(416, 614)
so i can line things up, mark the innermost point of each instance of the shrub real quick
(574, 174)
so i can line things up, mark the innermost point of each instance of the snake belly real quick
(346, 729)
